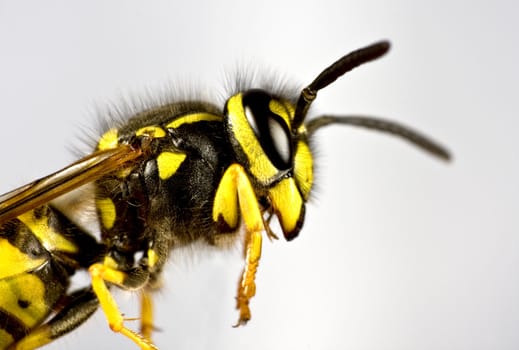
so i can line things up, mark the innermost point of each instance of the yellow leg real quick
(146, 315)
(247, 285)
(237, 181)
(101, 274)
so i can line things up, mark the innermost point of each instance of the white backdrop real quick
(399, 251)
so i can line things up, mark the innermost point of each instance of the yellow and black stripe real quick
(169, 176)
(39, 252)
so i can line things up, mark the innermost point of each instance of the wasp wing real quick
(85, 170)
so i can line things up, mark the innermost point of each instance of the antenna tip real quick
(382, 47)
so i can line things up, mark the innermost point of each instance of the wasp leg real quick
(79, 306)
(146, 314)
(136, 277)
(234, 194)
(247, 285)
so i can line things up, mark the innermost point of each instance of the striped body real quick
(40, 250)
(165, 177)
(178, 192)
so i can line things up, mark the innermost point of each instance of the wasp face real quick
(277, 156)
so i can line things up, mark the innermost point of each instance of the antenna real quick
(332, 73)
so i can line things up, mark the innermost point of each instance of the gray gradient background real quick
(399, 251)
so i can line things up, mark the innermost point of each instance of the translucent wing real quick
(85, 170)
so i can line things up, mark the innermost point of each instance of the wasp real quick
(169, 176)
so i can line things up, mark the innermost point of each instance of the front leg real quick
(234, 196)
(247, 284)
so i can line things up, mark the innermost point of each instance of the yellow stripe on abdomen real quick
(13, 261)
(5, 339)
(24, 297)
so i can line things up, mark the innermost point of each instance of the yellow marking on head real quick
(168, 163)
(152, 131)
(260, 165)
(49, 238)
(287, 204)
(193, 118)
(5, 339)
(291, 110)
(30, 289)
(13, 261)
(152, 257)
(303, 169)
(109, 140)
(283, 109)
(107, 211)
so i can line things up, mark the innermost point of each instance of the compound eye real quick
(270, 129)
(280, 139)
